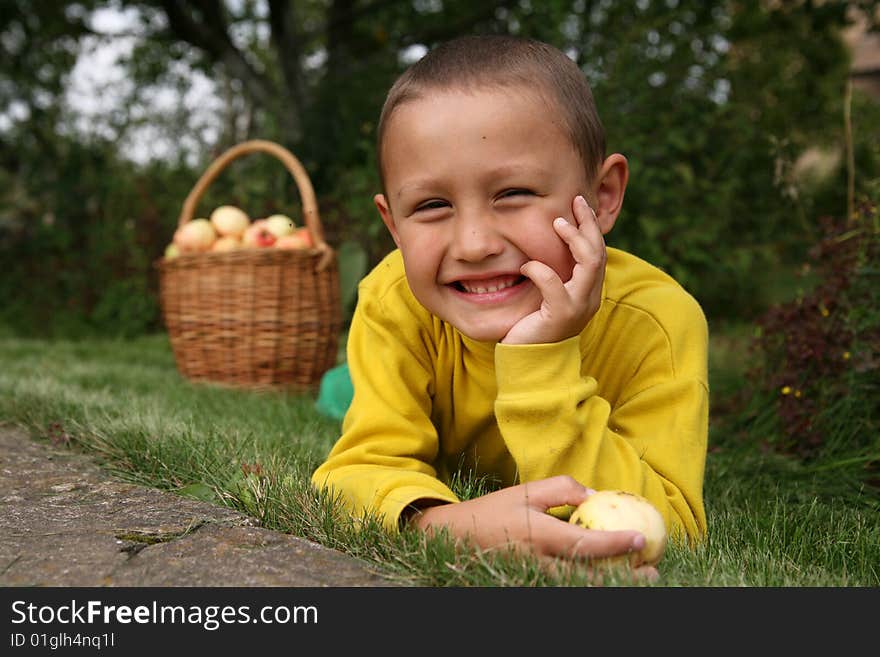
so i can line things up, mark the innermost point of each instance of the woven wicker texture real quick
(258, 318)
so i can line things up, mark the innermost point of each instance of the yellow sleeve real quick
(382, 461)
(652, 442)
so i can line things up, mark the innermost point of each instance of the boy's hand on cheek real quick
(566, 307)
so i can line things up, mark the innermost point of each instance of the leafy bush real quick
(79, 231)
(714, 103)
(818, 356)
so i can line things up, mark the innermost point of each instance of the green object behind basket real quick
(335, 393)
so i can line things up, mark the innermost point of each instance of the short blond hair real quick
(474, 62)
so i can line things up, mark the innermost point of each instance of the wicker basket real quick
(258, 318)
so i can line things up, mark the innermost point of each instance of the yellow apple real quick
(171, 251)
(613, 510)
(195, 236)
(226, 243)
(230, 220)
(280, 225)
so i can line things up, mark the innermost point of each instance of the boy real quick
(502, 337)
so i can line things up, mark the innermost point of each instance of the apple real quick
(612, 510)
(230, 220)
(305, 235)
(226, 243)
(172, 251)
(298, 239)
(258, 235)
(195, 236)
(280, 225)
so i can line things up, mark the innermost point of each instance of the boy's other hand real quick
(566, 307)
(517, 517)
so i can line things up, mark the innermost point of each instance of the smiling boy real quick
(502, 337)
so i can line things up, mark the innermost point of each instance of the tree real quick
(711, 101)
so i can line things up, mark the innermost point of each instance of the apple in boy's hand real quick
(612, 510)
(195, 236)
(230, 220)
(280, 225)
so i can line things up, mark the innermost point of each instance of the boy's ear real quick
(610, 187)
(387, 219)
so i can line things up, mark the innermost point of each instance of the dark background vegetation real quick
(752, 159)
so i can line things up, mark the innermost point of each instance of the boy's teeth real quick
(484, 287)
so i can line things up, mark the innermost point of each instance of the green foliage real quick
(351, 216)
(40, 45)
(710, 102)
(126, 308)
(818, 356)
(713, 103)
(81, 237)
(352, 268)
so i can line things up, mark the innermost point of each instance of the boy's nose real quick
(474, 238)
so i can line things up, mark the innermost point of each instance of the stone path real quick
(66, 522)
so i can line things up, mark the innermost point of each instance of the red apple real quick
(298, 239)
(258, 235)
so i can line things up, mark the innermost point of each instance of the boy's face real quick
(474, 182)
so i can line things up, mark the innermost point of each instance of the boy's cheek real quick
(546, 246)
(416, 237)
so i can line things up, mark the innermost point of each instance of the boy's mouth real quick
(488, 285)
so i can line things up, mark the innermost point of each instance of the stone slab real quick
(65, 522)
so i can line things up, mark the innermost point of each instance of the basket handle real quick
(296, 169)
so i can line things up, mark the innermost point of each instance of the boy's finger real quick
(589, 221)
(566, 230)
(578, 206)
(583, 212)
(555, 491)
(591, 543)
(579, 240)
(589, 255)
(586, 242)
(546, 280)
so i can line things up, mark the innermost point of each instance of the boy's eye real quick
(433, 204)
(508, 193)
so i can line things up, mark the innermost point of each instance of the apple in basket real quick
(195, 236)
(298, 239)
(280, 225)
(226, 243)
(258, 235)
(230, 220)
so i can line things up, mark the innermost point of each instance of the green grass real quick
(772, 521)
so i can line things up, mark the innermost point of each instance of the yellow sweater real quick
(623, 405)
